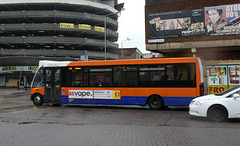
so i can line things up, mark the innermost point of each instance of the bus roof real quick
(135, 61)
(46, 63)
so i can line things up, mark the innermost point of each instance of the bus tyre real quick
(217, 113)
(37, 100)
(155, 102)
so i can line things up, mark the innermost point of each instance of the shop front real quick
(222, 75)
(17, 76)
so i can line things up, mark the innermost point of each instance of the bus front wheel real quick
(155, 102)
(37, 100)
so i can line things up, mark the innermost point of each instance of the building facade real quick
(129, 53)
(152, 55)
(33, 30)
(208, 29)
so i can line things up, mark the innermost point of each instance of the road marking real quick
(20, 111)
(2, 102)
(34, 107)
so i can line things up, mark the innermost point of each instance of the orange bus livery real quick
(153, 82)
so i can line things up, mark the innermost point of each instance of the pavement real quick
(24, 124)
(11, 90)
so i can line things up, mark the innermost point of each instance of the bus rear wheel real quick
(155, 102)
(37, 100)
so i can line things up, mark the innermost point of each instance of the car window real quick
(238, 92)
(227, 91)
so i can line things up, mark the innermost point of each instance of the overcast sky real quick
(132, 25)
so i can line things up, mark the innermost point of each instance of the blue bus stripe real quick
(177, 101)
(130, 100)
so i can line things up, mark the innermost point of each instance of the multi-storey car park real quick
(33, 30)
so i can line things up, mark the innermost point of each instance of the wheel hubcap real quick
(37, 99)
(218, 115)
(155, 102)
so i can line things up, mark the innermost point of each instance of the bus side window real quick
(125, 76)
(170, 72)
(85, 76)
(100, 76)
(74, 77)
(152, 75)
(184, 75)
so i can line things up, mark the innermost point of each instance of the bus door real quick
(52, 86)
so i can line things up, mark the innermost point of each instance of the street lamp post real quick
(128, 39)
(119, 8)
(105, 37)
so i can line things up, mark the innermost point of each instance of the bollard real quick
(18, 84)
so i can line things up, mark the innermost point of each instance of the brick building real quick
(208, 29)
(129, 53)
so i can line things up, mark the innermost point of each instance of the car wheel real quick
(155, 102)
(217, 113)
(37, 100)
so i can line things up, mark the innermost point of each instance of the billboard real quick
(94, 94)
(222, 20)
(182, 23)
(217, 20)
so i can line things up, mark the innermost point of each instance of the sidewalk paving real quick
(9, 91)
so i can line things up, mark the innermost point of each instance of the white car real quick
(217, 107)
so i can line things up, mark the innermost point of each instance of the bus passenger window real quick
(125, 76)
(158, 76)
(181, 75)
(76, 78)
(100, 76)
(73, 77)
(185, 75)
(151, 75)
(170, 72)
